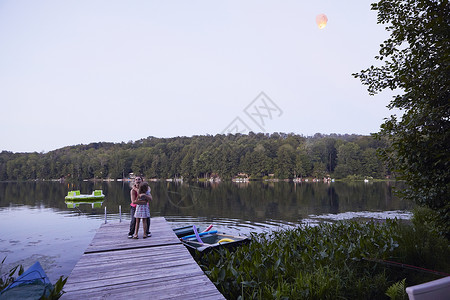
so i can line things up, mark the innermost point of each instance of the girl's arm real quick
(135, 199)
(145, 197)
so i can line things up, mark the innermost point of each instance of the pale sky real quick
(76, 72)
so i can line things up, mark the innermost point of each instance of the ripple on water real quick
(32, 243)
(47, 262)
(380, 215)
(230, 225)
(244, 227)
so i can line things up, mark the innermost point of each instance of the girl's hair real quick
(143, 188)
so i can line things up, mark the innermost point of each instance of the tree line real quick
(259, 155)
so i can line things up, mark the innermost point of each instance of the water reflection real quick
(259, 201)
(253, 201)
(76, 204)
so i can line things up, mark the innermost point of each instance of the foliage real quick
(348, 162)
(416, 62)
(429, 219)
(330, 261)
(9, 277)
(422, 246)
(258, 155)
(397, 291)
(57, 290)
(353, 177)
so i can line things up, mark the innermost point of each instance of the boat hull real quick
(214, 241)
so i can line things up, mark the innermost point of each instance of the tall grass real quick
(330, 261)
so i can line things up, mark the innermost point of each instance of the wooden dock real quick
(159, 267)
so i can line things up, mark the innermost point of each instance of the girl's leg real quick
(144, 227)
(136, 230)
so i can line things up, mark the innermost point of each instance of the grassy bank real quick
(346, 260)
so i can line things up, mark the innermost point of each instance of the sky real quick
(76, 72)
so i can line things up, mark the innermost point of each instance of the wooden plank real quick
(197, 288)
(113, 236)
(94, 274)
(153, 254)
(129, 262)
(150, 277)
(159, 267)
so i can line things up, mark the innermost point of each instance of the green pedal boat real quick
(76, 196)
(74, 199)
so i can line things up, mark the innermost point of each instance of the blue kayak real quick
(32, 284)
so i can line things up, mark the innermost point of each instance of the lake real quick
(37, 224)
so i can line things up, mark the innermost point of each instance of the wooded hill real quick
(259, 155)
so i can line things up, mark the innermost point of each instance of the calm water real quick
(36, 224)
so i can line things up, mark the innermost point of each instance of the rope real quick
(406, 266)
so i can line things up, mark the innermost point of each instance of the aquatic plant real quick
(57, 290)
(397, 291)
(329, 261)
(8, 278)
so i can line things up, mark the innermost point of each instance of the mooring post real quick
(120, 213)
(105, 214)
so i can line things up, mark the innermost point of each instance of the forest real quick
(258, 155)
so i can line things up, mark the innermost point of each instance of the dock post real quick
(120, 213)
(105, 214)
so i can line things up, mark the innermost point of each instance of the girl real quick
(142, 210)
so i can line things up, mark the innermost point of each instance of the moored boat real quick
(207, 241)
(75, 195)
(32, 284)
